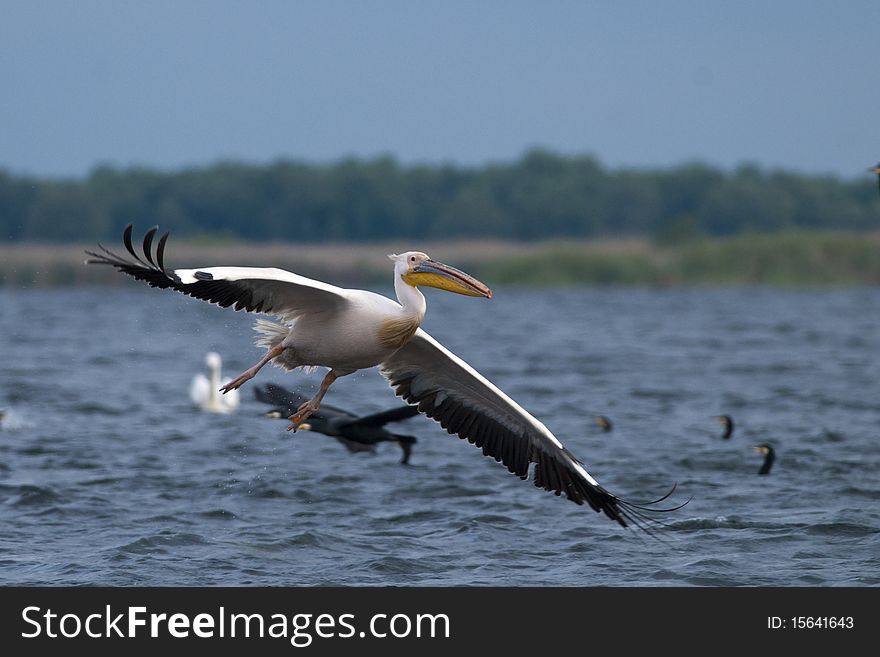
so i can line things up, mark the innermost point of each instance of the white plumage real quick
(346, 330)
(205, 390)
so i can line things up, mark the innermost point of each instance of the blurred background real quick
(578, 142)
(671, 202)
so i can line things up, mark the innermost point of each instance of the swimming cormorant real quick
(727, 421)
(769, 457)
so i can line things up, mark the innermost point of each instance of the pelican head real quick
(417, 268)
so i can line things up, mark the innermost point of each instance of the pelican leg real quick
(305, 410)
(249, 374)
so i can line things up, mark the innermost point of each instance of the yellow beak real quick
(435, 274)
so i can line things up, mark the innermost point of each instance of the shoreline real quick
(788, 259)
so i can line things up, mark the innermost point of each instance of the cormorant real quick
(727, 421)
(358, 434)
(769, 457)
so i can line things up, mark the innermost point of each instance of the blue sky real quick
(638, 84)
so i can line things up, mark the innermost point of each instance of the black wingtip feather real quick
(160, 250)
(126, 240)
(148, 244)
(548, 473)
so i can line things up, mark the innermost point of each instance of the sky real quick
(778, 83)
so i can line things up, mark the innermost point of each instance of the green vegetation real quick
(544, 219)
(785, 259)
(542, 196)
(788, 259)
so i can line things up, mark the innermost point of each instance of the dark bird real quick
(727, 421)
(769, 457)
(345, 330)
(876, 170)
(358, 434)
(604, 423)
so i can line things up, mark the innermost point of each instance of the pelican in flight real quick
(346, 330)
(205, 390)
(357, 434)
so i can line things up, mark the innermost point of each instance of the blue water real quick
(108, 474)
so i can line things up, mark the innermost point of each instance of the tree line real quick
(540, 196)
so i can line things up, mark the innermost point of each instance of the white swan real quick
(205, 391)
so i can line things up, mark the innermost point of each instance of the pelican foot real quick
(302, 414)
(238, 381)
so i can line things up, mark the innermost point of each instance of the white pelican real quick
(346, 330)
(205, 391)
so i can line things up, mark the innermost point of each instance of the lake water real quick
(109, 476)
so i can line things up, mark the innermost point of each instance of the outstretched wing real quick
(255, 289)
(454, 394)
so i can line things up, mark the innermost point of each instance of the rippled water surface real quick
(108, 474)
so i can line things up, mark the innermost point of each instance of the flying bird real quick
(727, 421)
(205, 390)
(346, 330)
(769, 457)
(357, 434)
(876, 170)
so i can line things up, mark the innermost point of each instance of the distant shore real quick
(801, 258)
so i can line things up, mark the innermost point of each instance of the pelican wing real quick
(454, 394)
(255, 289)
